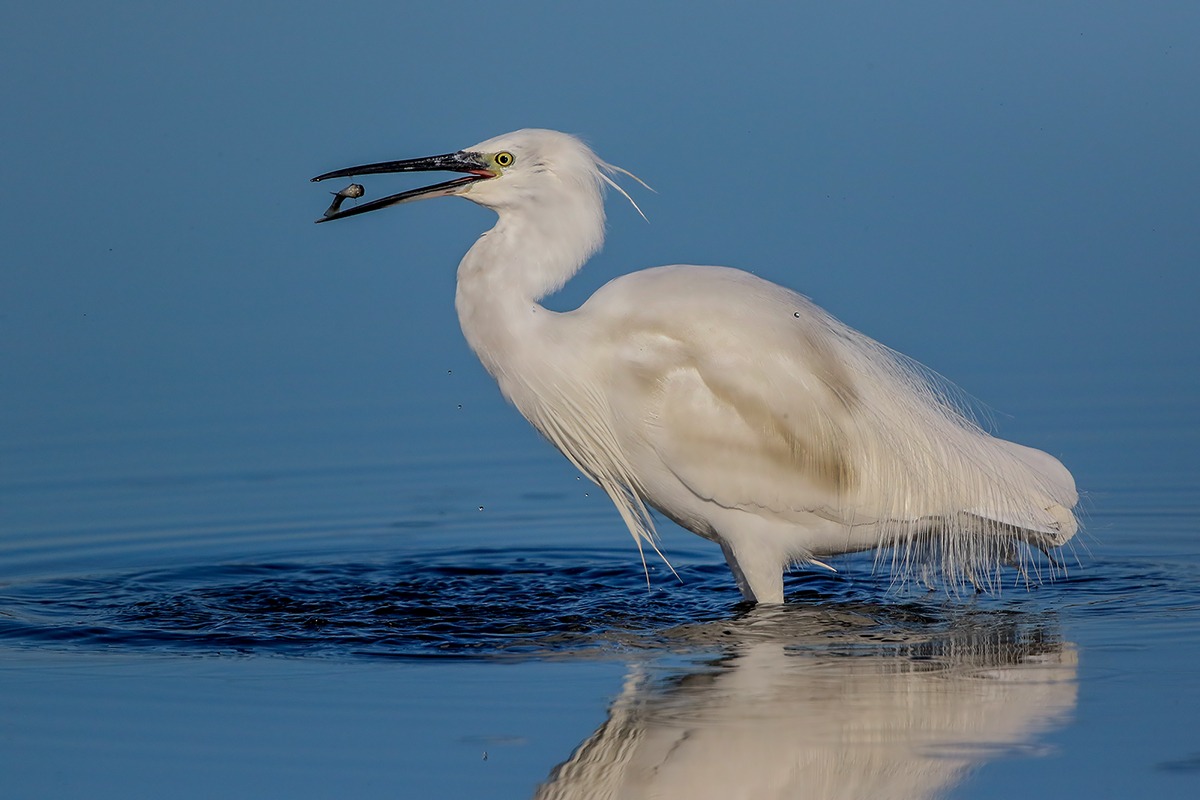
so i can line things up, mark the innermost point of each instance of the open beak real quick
(471, 163)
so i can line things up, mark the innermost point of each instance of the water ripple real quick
(487, 602)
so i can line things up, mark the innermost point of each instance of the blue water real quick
(339, 603)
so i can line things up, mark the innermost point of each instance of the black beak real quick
(471, 163)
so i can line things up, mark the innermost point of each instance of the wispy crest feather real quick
(606, 170)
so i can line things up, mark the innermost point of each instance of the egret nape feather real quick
(735, 407)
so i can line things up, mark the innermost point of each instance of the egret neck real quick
(527, 255)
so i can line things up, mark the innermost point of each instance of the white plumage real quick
(736, 407)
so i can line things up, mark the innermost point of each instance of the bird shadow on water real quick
(829, 701)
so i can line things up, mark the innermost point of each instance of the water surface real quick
(256, 607)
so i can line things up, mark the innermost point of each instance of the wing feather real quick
(754, 398)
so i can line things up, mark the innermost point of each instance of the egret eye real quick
(504, 159)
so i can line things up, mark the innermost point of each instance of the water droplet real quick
(460, 406)
(481, 508)
(796, 315)
(585, 494)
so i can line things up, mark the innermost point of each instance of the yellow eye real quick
(504, 159)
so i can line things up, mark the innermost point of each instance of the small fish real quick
(353, 191)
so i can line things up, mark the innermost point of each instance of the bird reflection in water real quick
(821, 703)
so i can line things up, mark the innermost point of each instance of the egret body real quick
(734, 406)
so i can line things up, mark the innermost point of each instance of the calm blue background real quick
(980, 187)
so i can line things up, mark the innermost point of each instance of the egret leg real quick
(757, 570)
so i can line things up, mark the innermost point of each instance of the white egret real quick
(734, 406)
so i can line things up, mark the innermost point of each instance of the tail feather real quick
(1048, 518)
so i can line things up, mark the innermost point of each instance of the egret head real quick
(530, 167)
